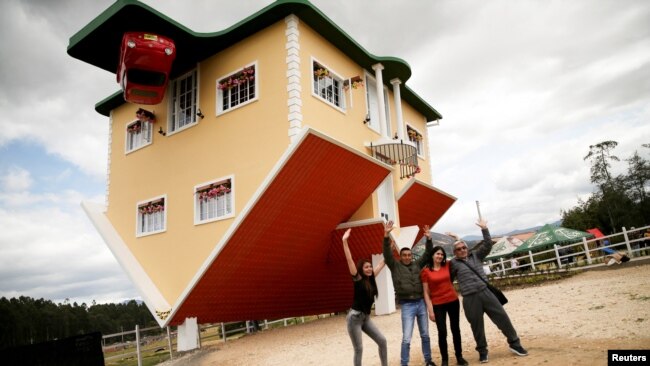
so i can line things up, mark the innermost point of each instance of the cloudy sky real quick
(524, 88)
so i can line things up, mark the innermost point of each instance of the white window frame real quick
(220, 92)
(136, 141)
(227, 200)
(173, 124)
(374, 124)
(419, 145)
(152, 219)
(331, 77)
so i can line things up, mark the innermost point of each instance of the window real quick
(213, 201)
(328, 86)
(152, 217)
(416, 138)
(183, 101)
(138, 134)
(236, 89)
(372, 100)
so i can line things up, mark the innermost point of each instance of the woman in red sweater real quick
(441, 299)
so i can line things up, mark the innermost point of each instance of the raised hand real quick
(346, 235)
(427, 231)
(482, 224)
(388, 227)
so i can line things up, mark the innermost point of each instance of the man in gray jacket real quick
(408, 290)
(477, 298)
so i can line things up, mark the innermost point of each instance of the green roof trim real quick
(98, 43)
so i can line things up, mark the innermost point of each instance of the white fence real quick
(162, 340)
(583, 253)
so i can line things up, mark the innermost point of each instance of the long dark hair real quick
(429, 262)
(368, 281)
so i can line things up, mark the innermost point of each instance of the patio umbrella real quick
(503, 247)
(549, 235)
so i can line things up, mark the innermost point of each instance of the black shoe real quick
(483, 357)
(444, 363)
(518, 350)
(429, 363)
(461, 361)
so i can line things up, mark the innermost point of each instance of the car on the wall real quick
(145, 62)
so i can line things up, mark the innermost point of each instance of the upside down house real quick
(228, 201)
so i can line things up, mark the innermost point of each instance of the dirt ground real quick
(570, 322)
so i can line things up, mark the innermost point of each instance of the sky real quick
(524, 88)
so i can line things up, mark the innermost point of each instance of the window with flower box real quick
(213, 201)
(327, 85)
(152, 216)
(237, 89)
(183, 102)
(139, 132)
(416, 138)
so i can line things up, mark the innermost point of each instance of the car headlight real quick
(168, 51)
(130, 43)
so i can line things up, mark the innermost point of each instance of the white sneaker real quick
(611, 261)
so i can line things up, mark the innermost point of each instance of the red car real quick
(145, 62)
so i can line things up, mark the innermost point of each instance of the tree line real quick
(25, 320)
(618, 200)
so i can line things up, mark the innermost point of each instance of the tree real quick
(599, 155)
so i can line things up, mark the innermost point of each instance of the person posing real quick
(477, 298)
(442, 300)
(408, 290)
(358, 318)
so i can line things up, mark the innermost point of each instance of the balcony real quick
(392, 152)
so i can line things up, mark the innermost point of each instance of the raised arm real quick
(376, 269)
(485, 249)
(428, 247)
(388, 250)
(346, 249)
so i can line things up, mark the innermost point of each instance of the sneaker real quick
(483, 357)
(518, 350)
(461, 361)
(429, 363)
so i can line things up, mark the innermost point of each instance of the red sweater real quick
(441, 289)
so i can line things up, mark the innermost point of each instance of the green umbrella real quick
(503, 247)
(549, 235)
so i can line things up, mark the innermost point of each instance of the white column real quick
(385, 303)
(187, 338)
(398, 107)
(294, 98)
(380, 98)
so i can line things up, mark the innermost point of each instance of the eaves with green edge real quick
(98, 43)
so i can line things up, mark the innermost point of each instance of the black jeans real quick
(441, 311)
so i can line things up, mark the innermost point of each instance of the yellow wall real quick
(245, 143)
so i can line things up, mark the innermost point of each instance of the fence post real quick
(285, 322)
(169, 344)
(532, 262)
(198, 335)
(557, 255)
(266, 324)
(587, 254)
(223, 332)
(627, 243)
(503, 267)
(303, 319)
(248, 327)
(137, 344)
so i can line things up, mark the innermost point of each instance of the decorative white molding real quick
(294, 97)
(108, 159)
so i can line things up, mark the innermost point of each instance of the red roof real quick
(421, 204)
(283, 258)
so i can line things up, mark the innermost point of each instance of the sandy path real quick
(571, 322)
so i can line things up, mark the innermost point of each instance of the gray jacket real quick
(406, 279)
(468, 281)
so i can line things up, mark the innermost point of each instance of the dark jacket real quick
(406, 279)
(468, 281)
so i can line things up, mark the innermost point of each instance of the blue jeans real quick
(410, 311)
